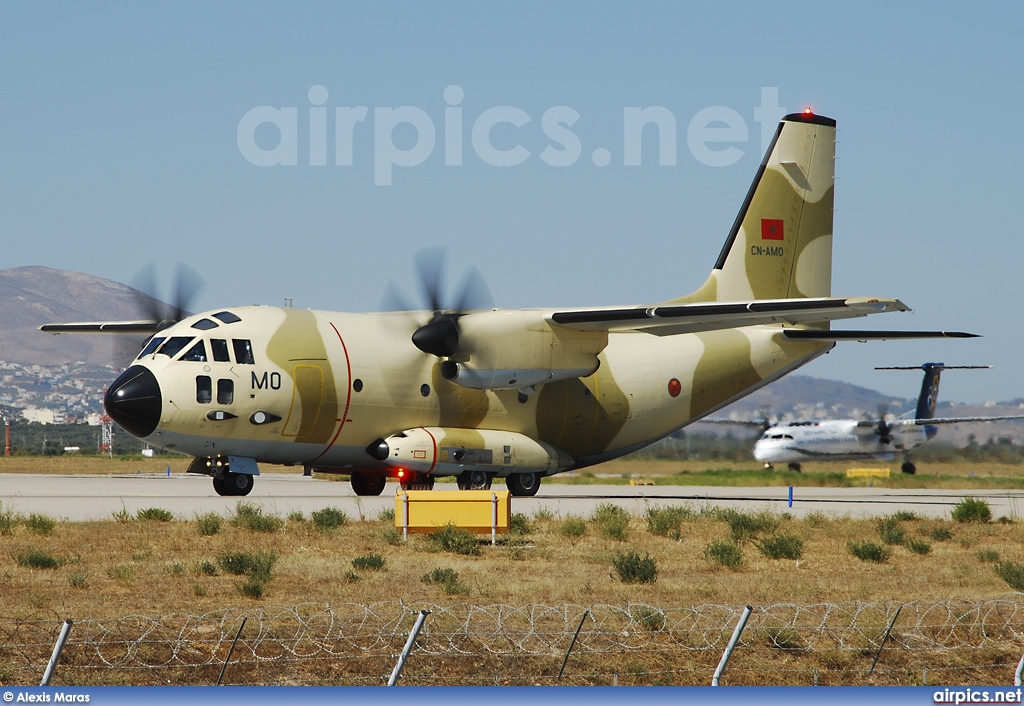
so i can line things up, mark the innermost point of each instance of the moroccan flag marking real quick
(772, 229)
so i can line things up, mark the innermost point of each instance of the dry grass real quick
(155, 567)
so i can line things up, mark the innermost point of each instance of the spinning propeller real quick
(187, 284)
(884, 427)
(441, 335)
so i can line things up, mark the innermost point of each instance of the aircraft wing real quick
(103, 327)
(707, 316)
(960, 420)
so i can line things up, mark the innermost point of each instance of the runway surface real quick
(82, 497)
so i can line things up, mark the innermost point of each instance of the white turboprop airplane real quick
(849, 439)
(479, 393)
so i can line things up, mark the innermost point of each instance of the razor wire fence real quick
(953, 642)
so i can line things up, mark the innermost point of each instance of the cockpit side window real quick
(204, 324)
(196, 353)
(151, 346)
(227, 317)
(219, 349)
(174, 345)
(243, 351)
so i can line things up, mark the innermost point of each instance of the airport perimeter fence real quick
(952, 642)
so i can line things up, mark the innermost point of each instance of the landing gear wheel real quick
(908, 467)
(794, 467)
(220, 487)
(523, 485)
(474, 480)
(238, 483)
(368, 483)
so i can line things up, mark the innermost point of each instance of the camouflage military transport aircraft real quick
(517, 394)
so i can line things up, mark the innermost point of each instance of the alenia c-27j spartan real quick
(517, 394)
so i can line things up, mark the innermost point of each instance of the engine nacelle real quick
(509, 350)
(441, 451)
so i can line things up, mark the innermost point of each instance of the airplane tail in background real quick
(780, 245)
(929, 396)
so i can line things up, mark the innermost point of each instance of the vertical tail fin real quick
(780, 245)
(929, 390)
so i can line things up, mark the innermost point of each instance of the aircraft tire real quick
(238, 483)
(475, 480)
(220, 487)
(523, 485)
(908, 468)
(366, 484)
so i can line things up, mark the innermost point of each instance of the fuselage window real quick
(219, 349)
(196, 353)
(174, 345)
(205, 324)
(225, 391)
(227, 317)
(204, 389)
(243, 351)
(151, 346)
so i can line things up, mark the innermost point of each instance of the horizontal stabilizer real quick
(961, 420)
(103, 327)
(825, 335)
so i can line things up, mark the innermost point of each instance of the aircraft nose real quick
(134, 402)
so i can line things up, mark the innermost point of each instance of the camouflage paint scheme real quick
(583, 386)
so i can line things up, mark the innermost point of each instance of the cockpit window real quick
(219, 349)
(227, 317)
(151, 346)
(243, 351)
(196, 353)
(205, 324)
(174, 345)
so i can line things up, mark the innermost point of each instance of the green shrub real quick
(632, 568)
(198, 590)
(386, 515)
(891, 531)
(972, 510)
(612, 521)
(667, 521)
(543, 514)
(41, 524)
(369, 562)
(391, 536)
(905, 516)
(258, 565)
(869, 551)
(781, 546)
(328, 519)
(79, 581)
(988, 555)
(520, 524)
(296, 516)
(941, 534)
(38, 559)
(573, 527)
(207, 568)
(1012, 573)
(725, 554)
(155, 514)
(747, 525)
(251, 517)
(125, 573)
(7, 521)
(456, 540)
(448, 580)
(254, 587)
(918, 546)
(649, 618)
(208, 524)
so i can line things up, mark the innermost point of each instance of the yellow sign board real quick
(867, 473)
(477, 511)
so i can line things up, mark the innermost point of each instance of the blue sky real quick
(119, 146)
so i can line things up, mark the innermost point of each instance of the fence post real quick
(884, 638)
(494, 519)
(397, 672)
(230, 651)
(732, 644)
(405, 517)
(57, 649)
(573, 643)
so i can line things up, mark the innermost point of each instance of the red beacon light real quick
(808, 111)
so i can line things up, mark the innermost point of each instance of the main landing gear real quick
(368, 483)
(233, 483)
(523, 484)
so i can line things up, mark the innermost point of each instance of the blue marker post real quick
(791, 496)
(168, 471)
